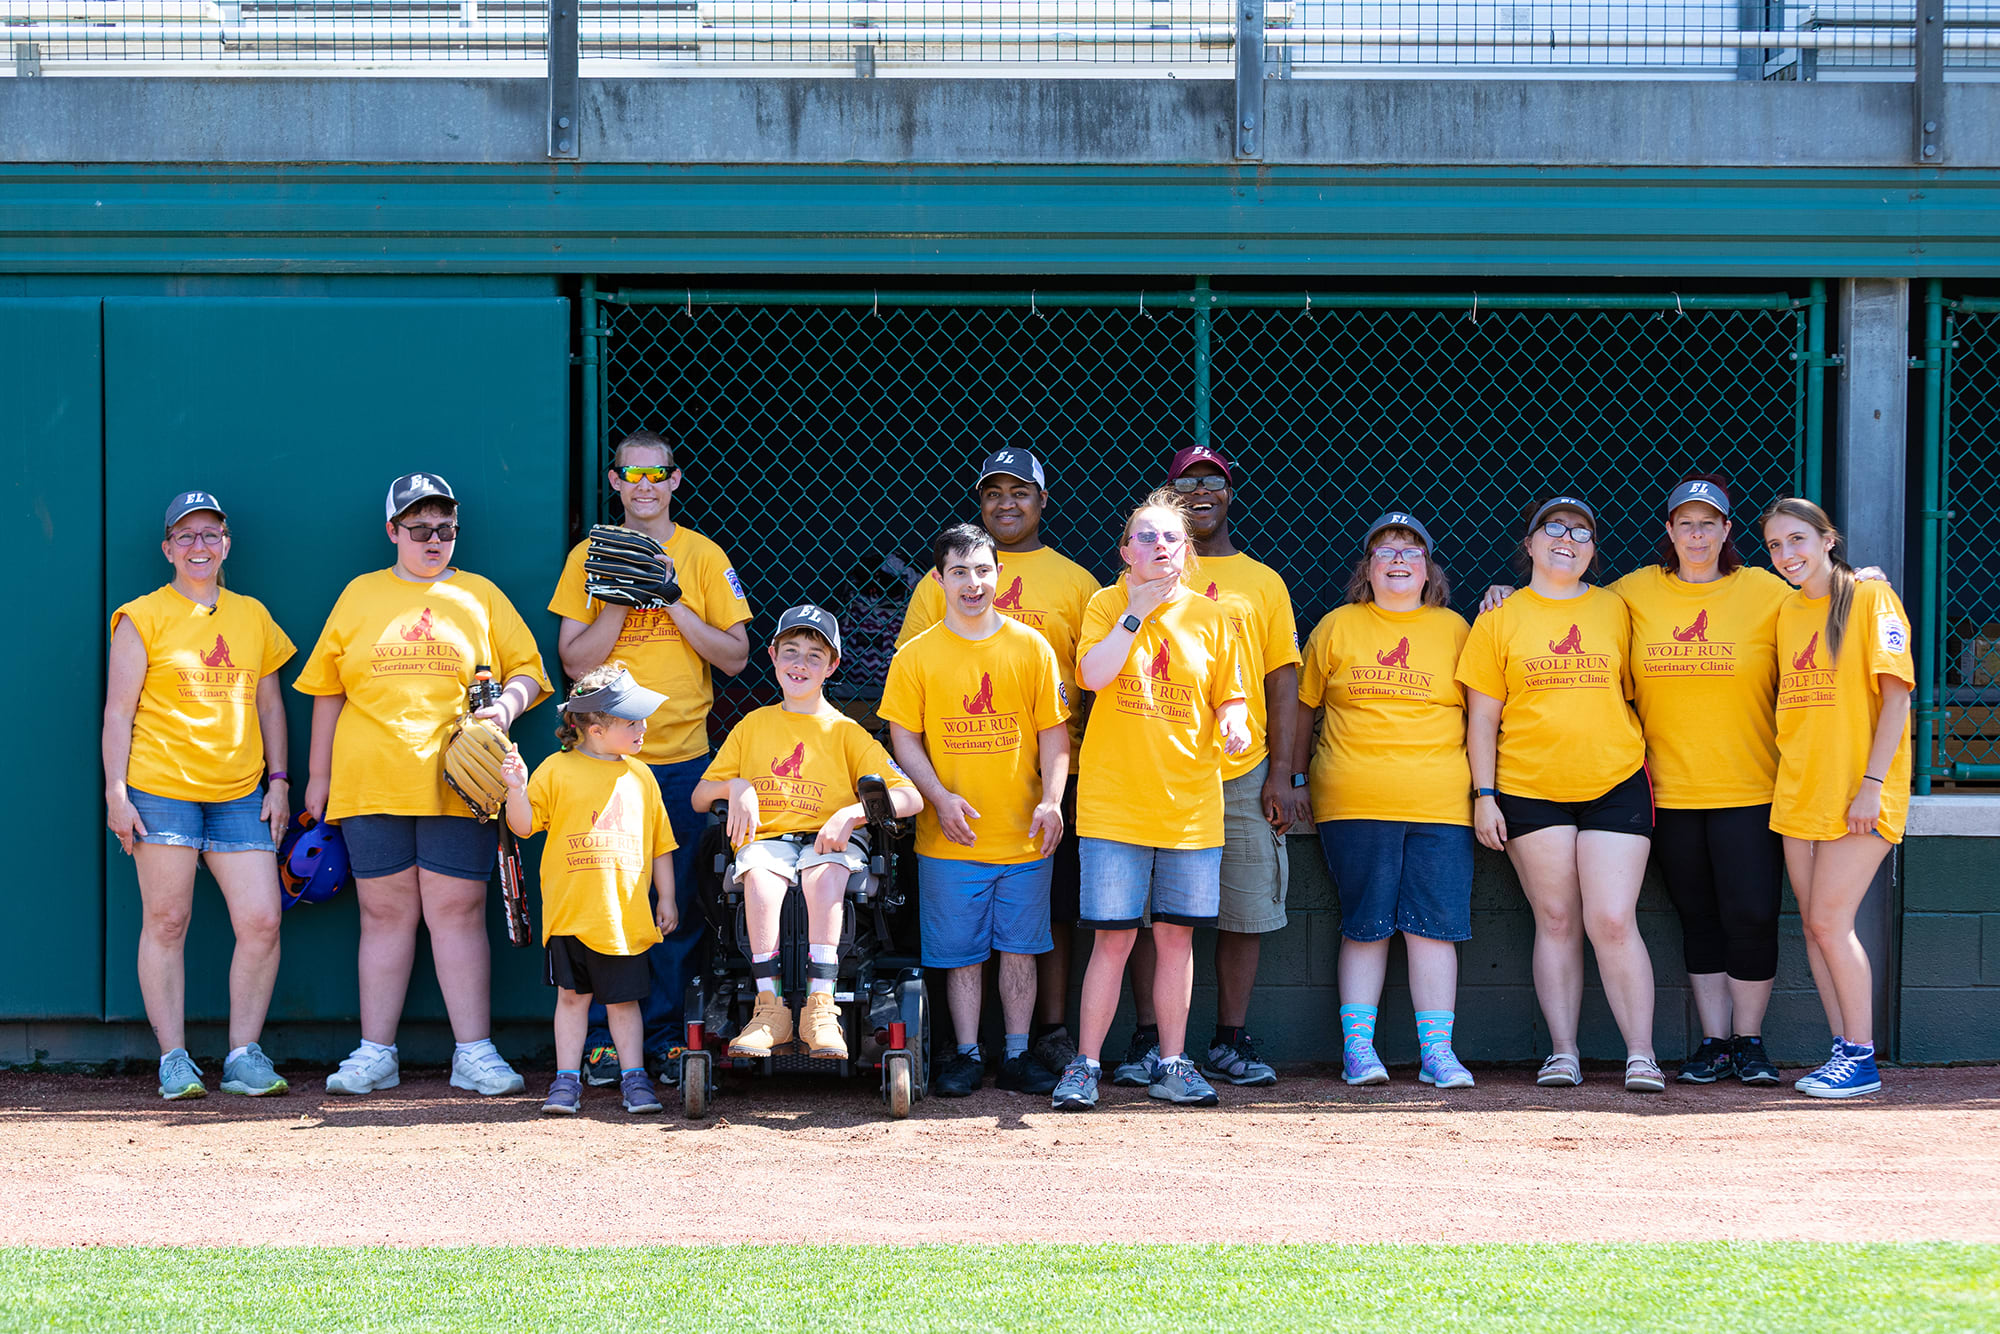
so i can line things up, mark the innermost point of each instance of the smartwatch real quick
(1298, 780)
(1129, 623)
(1486, 792)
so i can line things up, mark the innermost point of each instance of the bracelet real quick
(279, 777)
(1871, 778)
(1486, 792)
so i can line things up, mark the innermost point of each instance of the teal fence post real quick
(1815, 392)
(1203, 302)
(1930, 599)
(590, 476)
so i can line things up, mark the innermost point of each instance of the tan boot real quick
(821, 1025)
(770, 1026)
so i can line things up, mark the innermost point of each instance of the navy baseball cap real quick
(410, 488)
(1708, 493)
(1397, 519)
(808, 617)
(621, 697)
(1554, 503)
(1012, 463)
(187, 502)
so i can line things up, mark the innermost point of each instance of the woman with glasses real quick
(1171, 702)
(1559, 781)
(1391, 792)
(390, 673)
(193, 718)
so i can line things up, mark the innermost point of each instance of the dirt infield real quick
(93, 1159)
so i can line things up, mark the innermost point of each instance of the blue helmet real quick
(312, 862)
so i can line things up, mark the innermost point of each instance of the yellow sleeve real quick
(865, 755)
(724, 604)
(1886, 627)
(1227, 682)
(1048, 704)
(1098, 617)
(569, 599)
(278, 647)
(728, 761)
(1313, 664)
(1480, 664)
(541, 797)
(321, 674)
(1281, 628)
(514, 647)
(926, 609)
(903, 693)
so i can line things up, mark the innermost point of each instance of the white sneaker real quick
(483, 1069)
(366, 1070)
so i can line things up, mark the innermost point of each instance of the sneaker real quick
(600, 1067)
(1750, 1062)
(366, 1070)
(252, 1075)
(1711, 1061)
(636, 1090)
(1076, 1091)
(1442, 1067)
(1177, 1081)
(1025, 1074)
(1360, 1065)
(819, 1025)
(482, 1069)
(565, 1096)
(1142, 1058)
(1239, 1065)
(1054, 1050)
(770, 1026)
(665, 1066)
(1848, 1075)
(959, 1076)
(1839, 1050)
(180, 1077)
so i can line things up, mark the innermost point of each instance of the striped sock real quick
(1433, 1028)
(1357, 1026)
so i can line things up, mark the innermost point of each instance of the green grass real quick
(1706, 1286)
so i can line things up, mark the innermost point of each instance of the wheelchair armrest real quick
(719, 809)
(875, 805)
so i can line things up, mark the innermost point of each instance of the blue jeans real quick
(669, 960)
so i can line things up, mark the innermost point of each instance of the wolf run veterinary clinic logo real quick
(420, 629)
(1011, 599)
(1391, 677)
(787, 788)
(613, 839)
(415, 649)
(1804, 683)
(1398, 656)
(1687, 651)
(1696, 633)
(219, 655)
(1805, 662)
(983, 729)
(789, 766)
(648, 625)
(1569, 666)
(1572, 644)
(217, 678)
(1152, 692)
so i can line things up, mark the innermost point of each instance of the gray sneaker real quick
(252, 1075)
(1177, 1081)
(1077, 1090)
(1140, 1065)
(1239, 1065)
(1054, 1050)
(180, 1077)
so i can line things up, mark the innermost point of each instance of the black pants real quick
(1723, 870)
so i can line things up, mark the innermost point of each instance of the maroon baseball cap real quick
(1194, 454)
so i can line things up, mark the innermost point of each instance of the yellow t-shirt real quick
(1704, 672)
(979, 705)
(1260, 610)
(195, 736)
(605, 825)
(803, 765)
(651, 644)
(403, 654)
(1559, 670)
(1152, 773)
(1043, 590)
(1392, 740)
(1827, 712)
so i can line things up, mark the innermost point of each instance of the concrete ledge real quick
(1955, 816)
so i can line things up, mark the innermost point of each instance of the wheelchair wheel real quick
(695, 1068)
(900, 1081)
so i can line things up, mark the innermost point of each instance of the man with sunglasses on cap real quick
(1047, 592)
(1261, 797)
(671, 650)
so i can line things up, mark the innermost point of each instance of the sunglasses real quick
(1146, 537)
(424, 532)
(1554, 529)
(1187, 486)
(211, 537)
(646, 472)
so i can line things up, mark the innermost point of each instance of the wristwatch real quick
(1129, 623)
(1298, 780)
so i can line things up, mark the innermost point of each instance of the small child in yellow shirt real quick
(609, 844)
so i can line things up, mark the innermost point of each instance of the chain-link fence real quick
(829, 435)
(1958, 695)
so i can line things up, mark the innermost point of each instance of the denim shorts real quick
(454, 845)
(206, 826)
(1399, 876)
(1183, 886)
(971, 909)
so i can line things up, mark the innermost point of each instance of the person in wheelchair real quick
(786, 771)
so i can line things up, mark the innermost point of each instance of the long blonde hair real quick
(1165, 498)
(1841, 600)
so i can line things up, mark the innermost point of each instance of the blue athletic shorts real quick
(206, 826)
(454, 845)
(971, 909)
(1399, 876)
(1184, 887)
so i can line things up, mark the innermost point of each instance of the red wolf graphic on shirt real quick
(613, 815)
(1213, 594)
(1011, 599)
(1572, 643)
(219, 655)
(1696, 633)
(1157, 668)
(1398, 656)
(1804, 661)
(983, 701)
(789, 766)
(421, 629)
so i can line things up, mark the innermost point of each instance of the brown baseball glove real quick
(472, 760)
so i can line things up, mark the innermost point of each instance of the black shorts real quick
(1625, 809)
(1066, 876)
(612, 979)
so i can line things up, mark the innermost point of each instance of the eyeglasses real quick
(424, 532)
(646, 472)
(1554, 529)
(1146, 537)
(1407, 555)
(1187, 486)
(210, 537)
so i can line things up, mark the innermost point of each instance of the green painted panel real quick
(51, 433)
(297, 414)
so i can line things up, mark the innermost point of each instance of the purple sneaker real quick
(1442, 1068)
(1363, 1065)
(565, 1096)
